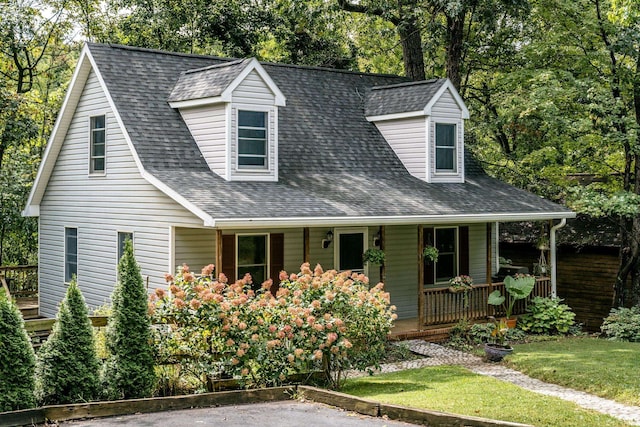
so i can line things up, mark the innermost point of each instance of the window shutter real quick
(276, 259)
(229, 256)
(429, 268)
(463, 250)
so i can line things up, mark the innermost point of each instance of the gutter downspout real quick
(552, 242)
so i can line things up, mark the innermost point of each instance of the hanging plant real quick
(430, 253)
(373, 256)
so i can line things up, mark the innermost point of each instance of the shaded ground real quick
(273, 414)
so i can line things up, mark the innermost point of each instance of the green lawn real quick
(457, 390)
(605, 368)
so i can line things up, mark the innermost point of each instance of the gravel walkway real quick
(439, 355)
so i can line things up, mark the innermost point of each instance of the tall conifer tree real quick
(129, 371)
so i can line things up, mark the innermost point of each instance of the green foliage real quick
(430, 253)
(374, 256)
(518, 287)
(67, 369)
(129, 370)
(547, 316)
(17, 361)
(325, 321)
(622, 324)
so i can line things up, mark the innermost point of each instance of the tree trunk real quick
(454, 48)
(411, 40)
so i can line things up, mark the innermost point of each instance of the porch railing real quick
(442, 306)
(22, 280)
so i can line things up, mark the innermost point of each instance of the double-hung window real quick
(446, 147)
(446, 241)
(70, 253)
(252, 257)
(253, 140)
(97, 145)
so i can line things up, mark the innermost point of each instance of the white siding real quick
(194, 246)
(253, 90)
(407, 138)
(445, 110)
(207, 125)
(100, 207)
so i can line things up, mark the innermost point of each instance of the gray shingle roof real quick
(206, 82)
(332, 162)
(401, 98)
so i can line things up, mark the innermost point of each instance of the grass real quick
(605, 368)
(456, 390)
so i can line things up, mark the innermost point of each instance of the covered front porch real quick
(442, 309)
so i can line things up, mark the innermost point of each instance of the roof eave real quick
(236, 223)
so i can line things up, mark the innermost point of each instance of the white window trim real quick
(64, 254)
(456, 148)
(271, 115)
(268, 254)
(457, 255)
(336, 245)
(90, 145)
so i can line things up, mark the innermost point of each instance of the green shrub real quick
(129, 369)
(623, 324)
(481, 333)
(547, 316)
(17, 361)
(318, 320)
(67, 369)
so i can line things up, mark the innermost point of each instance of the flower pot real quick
(510, 322)
(496, 352)
(456, 289)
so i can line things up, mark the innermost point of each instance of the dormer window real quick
(446, 148)
(253, 140)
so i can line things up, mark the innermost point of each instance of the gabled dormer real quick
(231, 109)
(423, 122)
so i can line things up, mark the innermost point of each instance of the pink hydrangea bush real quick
(317, 320)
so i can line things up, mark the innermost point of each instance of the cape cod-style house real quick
(258, 167)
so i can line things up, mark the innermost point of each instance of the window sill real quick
(97, 175)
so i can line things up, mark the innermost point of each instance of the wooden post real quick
(420, 278)
(305, 244)
(218, 252)
(383, 267)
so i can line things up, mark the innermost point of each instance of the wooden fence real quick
(441, 306)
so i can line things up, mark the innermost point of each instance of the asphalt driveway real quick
(272, 414)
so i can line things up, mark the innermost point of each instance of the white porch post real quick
(552, 241)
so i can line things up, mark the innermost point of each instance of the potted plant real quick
(518, 287)
(373, 256)
(430, 253)
(460, 283)
(498, 349)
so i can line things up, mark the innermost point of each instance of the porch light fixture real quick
(376, 239)
(327, 241)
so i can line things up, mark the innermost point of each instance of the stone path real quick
(439, 355)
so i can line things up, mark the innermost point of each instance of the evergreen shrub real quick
(129, 368)
(67, 369)
(17, 360)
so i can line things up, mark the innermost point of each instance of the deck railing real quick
(22, 280)
(441, 306)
